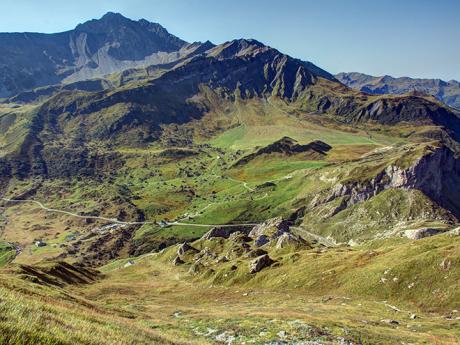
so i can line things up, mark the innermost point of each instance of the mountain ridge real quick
(445, 91)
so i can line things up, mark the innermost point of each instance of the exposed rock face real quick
(261, 70)
(206, 253)
(421, 233)
(454, 232)
(290, 240)
(436, 174)
(411, 108)
(177, 261)
(222, 232)
(261, 240)
(240, 236)
(272, 228)
(260, 263)
(185, 248)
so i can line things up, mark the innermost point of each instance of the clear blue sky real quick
(417, 38)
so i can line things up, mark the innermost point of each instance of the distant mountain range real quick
(445, 91)
(124, 81)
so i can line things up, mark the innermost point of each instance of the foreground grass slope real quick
(33, 311)
(319, 295)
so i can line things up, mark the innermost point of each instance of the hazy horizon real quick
(414, 39)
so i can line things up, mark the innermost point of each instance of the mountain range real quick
(445, 91)
(159, 191)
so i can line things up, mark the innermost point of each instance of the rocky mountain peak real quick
(93, 49)
(239, 47)
(106, 22)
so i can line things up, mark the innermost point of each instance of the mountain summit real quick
(93, 49)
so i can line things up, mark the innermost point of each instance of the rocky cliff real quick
(436, 174)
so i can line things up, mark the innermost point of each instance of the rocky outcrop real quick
(260, 263)
(276, 231)
(409, 108)
(239, 237)
(454, 232)
(272, 228)
(223, 232)
(186, 248)
(436, 174)
(261, 240)
(417, 234)
(177, 261)
(290, 240)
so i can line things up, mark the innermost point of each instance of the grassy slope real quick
(37, 314)
(309, 290)
(198, 184)
(386, 214)
(311, 295)
(7, 254)
(14, 126)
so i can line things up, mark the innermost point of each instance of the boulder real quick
(260, 263)
(40, 243)
(290, 240)
(129, 263)
(222, 259)
(206, 253)
(272, 228)
(390, 322)
(238, 249)
(239, 236)
(261, 240)
(454, 232)
(421, 233)
(184, 248)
